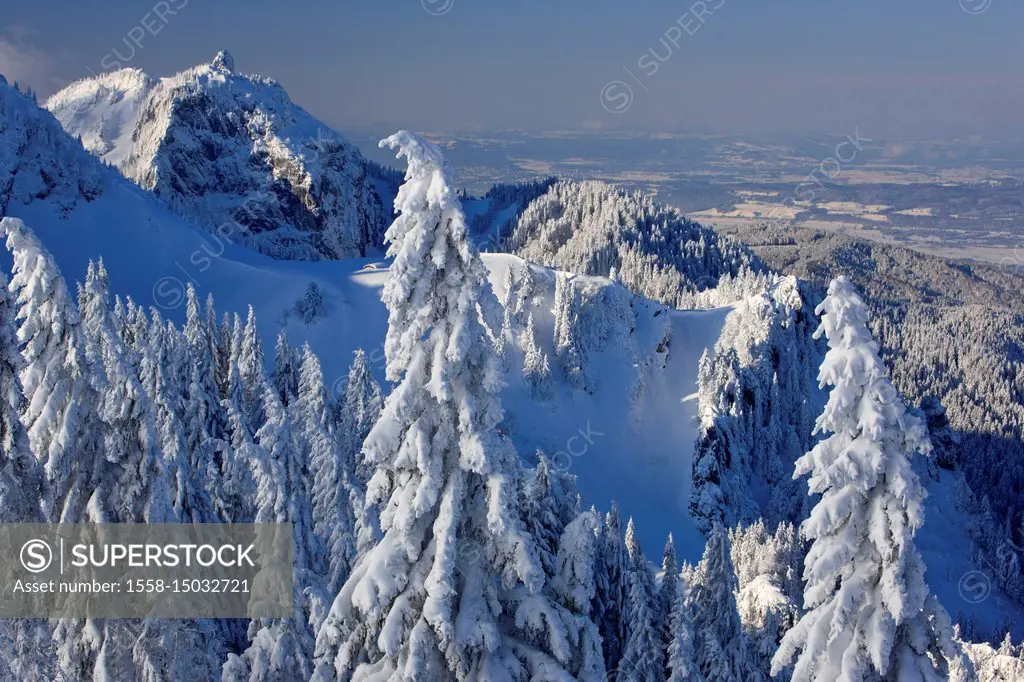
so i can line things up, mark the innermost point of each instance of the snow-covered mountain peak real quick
(102, 111)
(233, 153)
(224, 61)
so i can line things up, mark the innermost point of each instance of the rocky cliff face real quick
(233, 153)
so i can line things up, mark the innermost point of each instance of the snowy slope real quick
(233, 153)
(103, 110)
(636, 452)
(962, 580)
(645, 466)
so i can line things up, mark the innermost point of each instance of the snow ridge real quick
(38, 162)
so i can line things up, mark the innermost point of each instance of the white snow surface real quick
(103, 110)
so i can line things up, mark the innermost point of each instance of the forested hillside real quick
(952, 333)
(484, 456)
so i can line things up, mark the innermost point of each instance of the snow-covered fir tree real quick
(360, 407)
(186, 484)
(281, 649)
(285, 376)
(331, 493)
(357, 411)
(225, 337)
(206, 436)
(719, 641)
(610, 572)
(667, 595)
(250, 368)
(642, 659)
(504, 337)
(550, 503)
(454, 588)
(572, 586)
(131, 478)
(536, 371)
(237, 481)
(681, 656)
(869, 612)
(26, 649)
(21, 481)
(60, 400)
(566, 343)
(526, 292)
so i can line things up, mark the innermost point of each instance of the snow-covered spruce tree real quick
(550, 503)
(27, 651)
(573, 586)
(139, 323)
(719, 640)
(453, 591)
(213, 334)
(667, 596)
(225, 338)
(525, 291)
(237, 481)
(21, 483)
(202, 349)
(186, 484)
(131, 464)
(681, 659)
(59, 415)
(286, 369)
(134, 322)
(642, 657)
(281, 649)
(504, 337)
(1006, 647)
(566, 344)
(536, 371)
(331, 493)
(122, 315)
(205, 426)
(609, 606)
(250, 369)
(177, 360)
(869, 613)
(360, 408)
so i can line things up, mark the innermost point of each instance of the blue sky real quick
(914, 68)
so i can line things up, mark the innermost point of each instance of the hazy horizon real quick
(918, 70)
